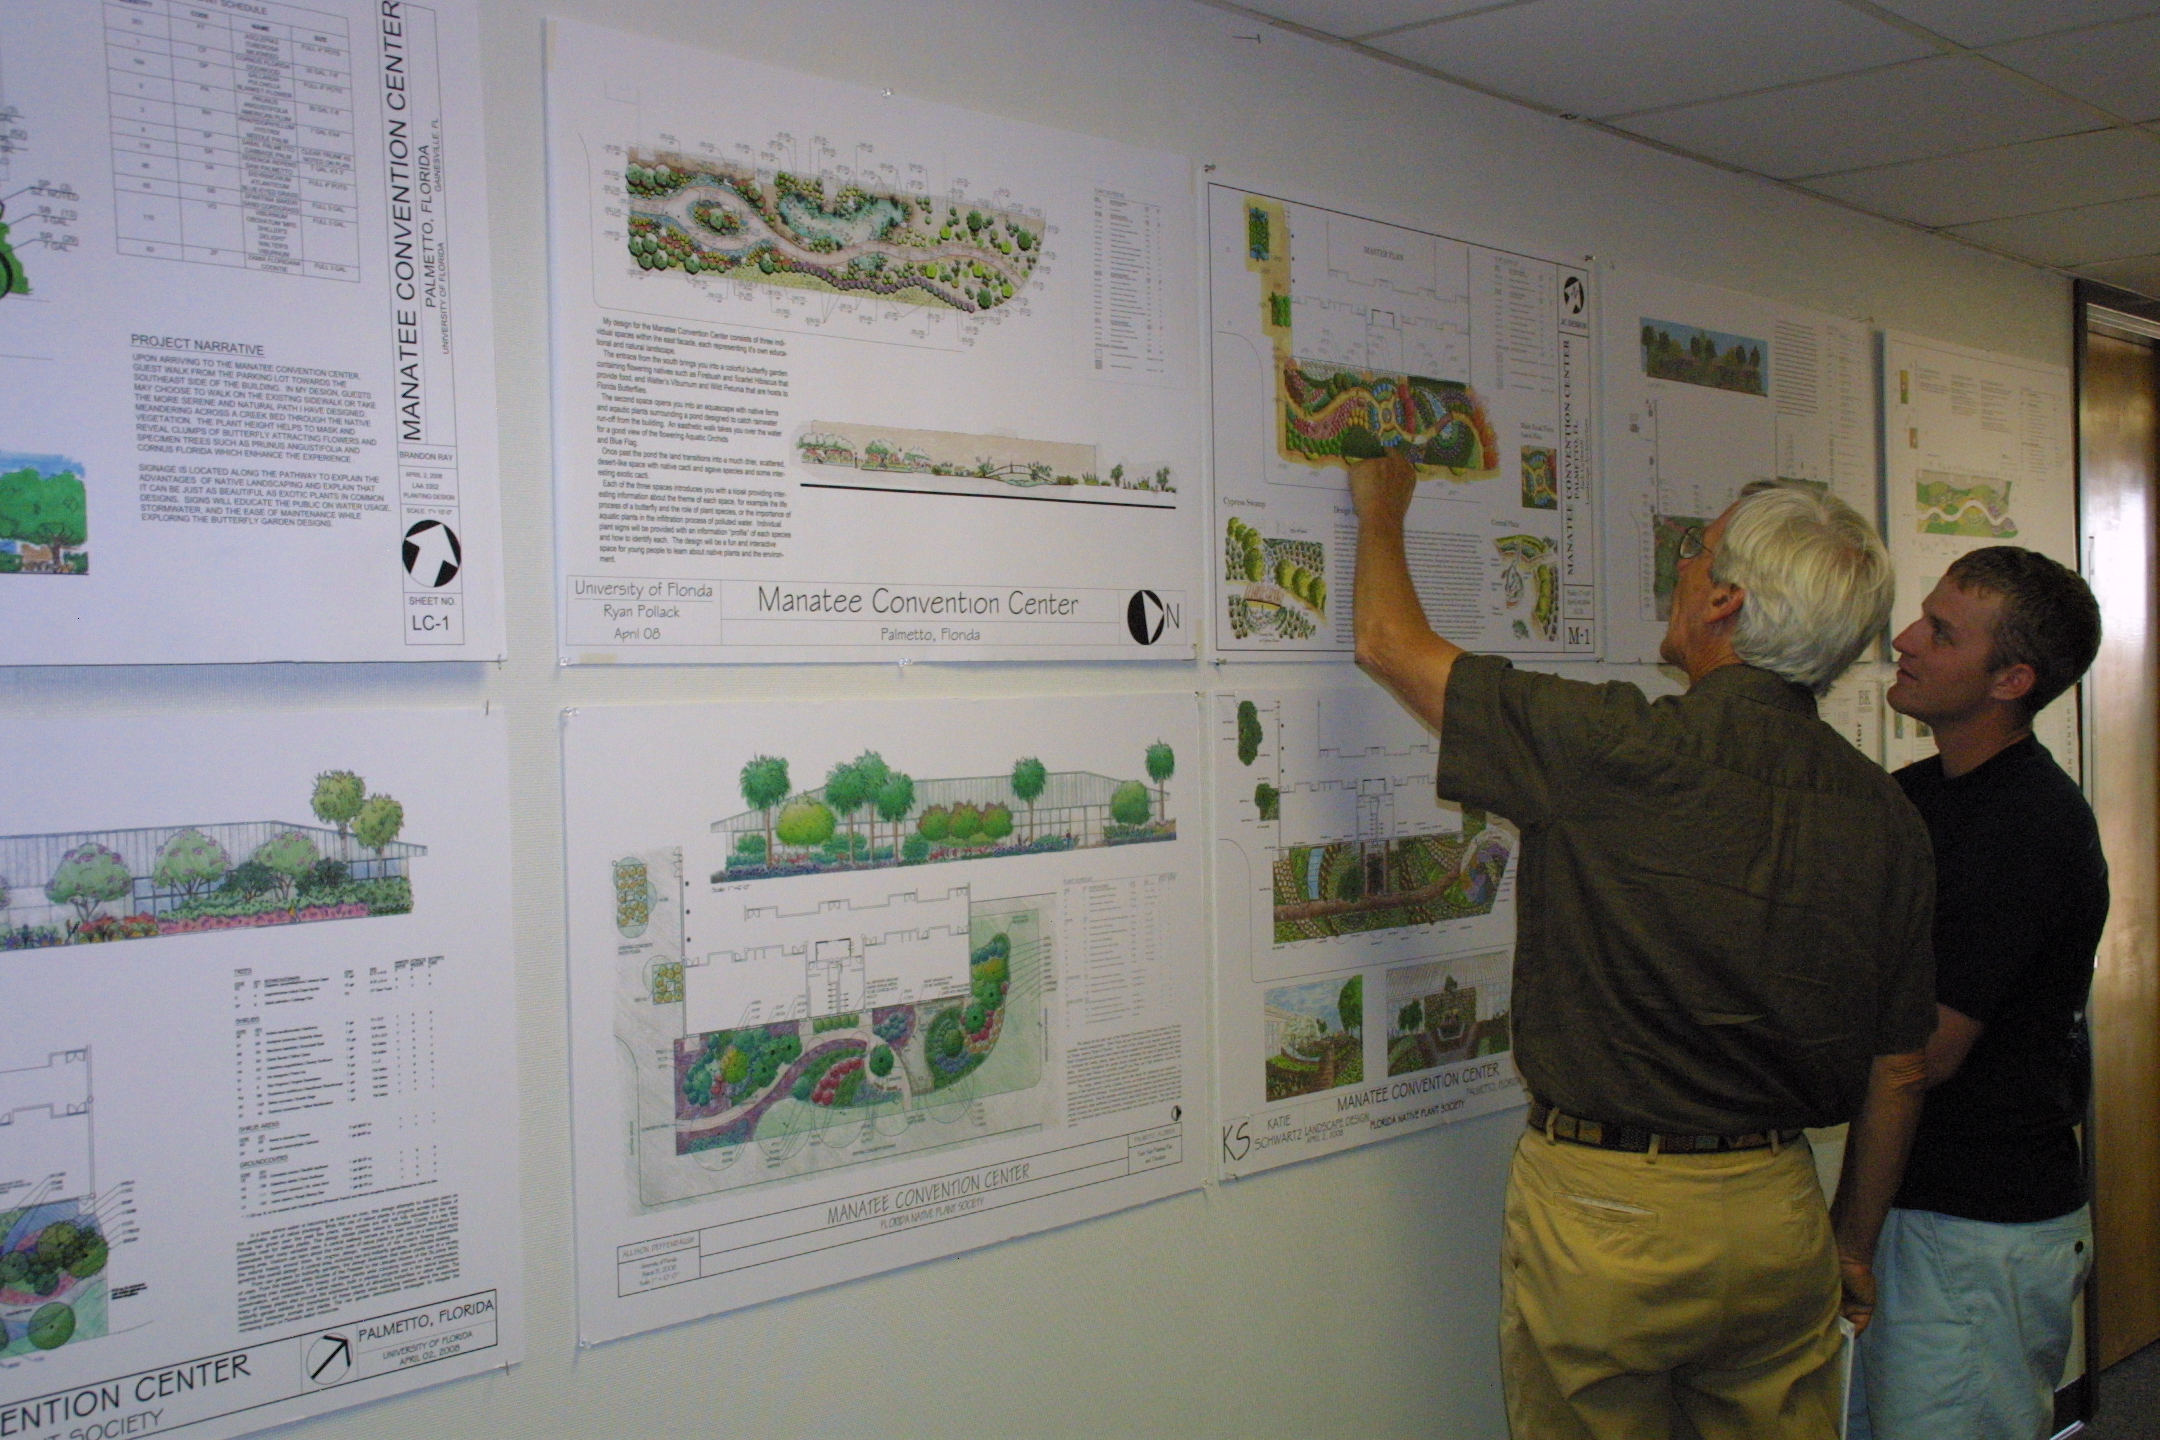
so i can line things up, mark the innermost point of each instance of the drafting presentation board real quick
(841, 375)
(247, 405)
(1337, 335)
(258, 1152)
(1365, 931)
(1976, 452)
(862, 983)
(1706, 390)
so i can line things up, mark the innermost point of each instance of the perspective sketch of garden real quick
(85, 887)
(44, 515)
(870, 814)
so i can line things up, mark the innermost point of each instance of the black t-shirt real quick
(2021, 891)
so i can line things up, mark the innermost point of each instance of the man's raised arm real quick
(1395, 644)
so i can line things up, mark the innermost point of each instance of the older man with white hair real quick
(1725, 937)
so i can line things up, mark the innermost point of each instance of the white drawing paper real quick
(1333, 335)
(869, 982)
(258, 1106)
(1707, 390)
(246, 368)
(1976, 452)
(1365, 930)
(843, 375)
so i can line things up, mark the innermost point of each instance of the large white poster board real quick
(1705, 391)
(1365, 931)
(258, 1155)
(1338, 334)
(862, 983)
(841, 375)
(246, 371)
(1976, 452)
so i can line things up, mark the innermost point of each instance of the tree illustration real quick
(5, 898)
(934, 823)
(1249, 732)
(963, 822)
(1350, 1003)
(378, 823)
(996, 823)
(805, 824)
(48, 510)
(1028, 779)
(87, 877)
(339, 794)
(894, 799)
(290, 855)
(1410, 1019)
(189, 861)
(1161, 765)
(764, 785)
(1129, 804)
(846, 793)
(1268, 801)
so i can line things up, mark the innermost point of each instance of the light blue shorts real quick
(1972, 1323)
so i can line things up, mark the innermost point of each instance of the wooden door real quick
(2121, 502)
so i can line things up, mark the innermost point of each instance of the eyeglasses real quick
(1691, 542)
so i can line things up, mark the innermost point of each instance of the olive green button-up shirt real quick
(1725, 910)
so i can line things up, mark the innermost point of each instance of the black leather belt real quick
(1557, 1125)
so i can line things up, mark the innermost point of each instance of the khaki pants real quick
(1683, 1296)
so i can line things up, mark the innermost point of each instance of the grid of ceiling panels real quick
(2030, 127)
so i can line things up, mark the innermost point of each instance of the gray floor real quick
(2129, 1399)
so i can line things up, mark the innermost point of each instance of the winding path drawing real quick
(701, 215)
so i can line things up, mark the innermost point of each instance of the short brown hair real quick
(2049, 619)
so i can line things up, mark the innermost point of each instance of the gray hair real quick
(1817, 578)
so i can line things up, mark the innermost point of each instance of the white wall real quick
(1349, 1296)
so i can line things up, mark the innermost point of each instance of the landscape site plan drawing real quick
(1705, 391)
(274, 1158)
(1337, 337)
(881, 991)
(842, 375)
(246, 356)
(1364, 929)
(1977, 450)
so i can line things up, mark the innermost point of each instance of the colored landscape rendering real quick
(91, 886)
(1282, 584)
(44, 515)
(52, 1277)
(1353, 886)
(1315, 1037)
(1031, 810)
(1434, 1016)
(891, 457)
(793, 1078)
(699, 215)
(1331, 413)
(1974, 506)
(1712, 358)
(1530, 573)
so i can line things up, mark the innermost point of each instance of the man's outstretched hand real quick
(1382, 488)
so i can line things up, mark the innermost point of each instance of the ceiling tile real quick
(1931, 107)
(1989, 22)
(2012, 180)
(2072, 237)
(2141, 274)
(1607, 57)
(1361, 17)
(2116, 67)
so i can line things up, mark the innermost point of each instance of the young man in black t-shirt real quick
(1989, 1241)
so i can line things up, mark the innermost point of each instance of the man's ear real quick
(2012, 682)
(1723, 603)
